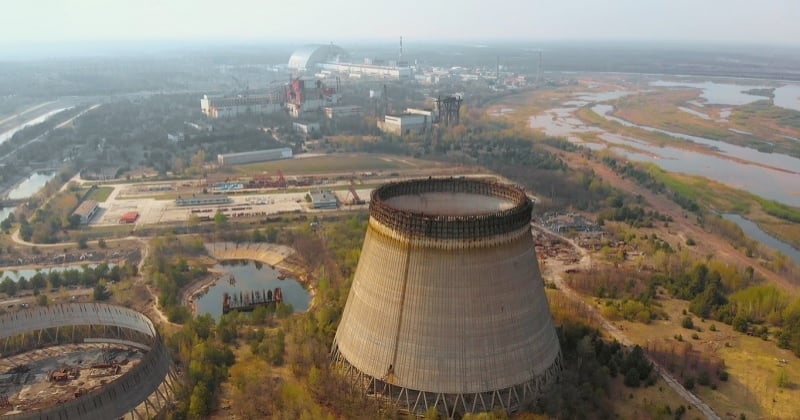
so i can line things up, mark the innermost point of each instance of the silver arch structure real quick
(139, 394)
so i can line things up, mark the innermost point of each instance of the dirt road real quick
(556, 274)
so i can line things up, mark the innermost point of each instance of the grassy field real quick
(752, 363)
(660, 109)
(640, 403)
(100, 194)
(335, 163)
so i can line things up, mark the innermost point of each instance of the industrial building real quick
(254, 156)
(392, 71)
(345, 111)
(202, 200)
(333, 58)
(306, 127)
(447, 307)
(323, 199)
(223, 107)
(403, 124)
(304, 95)
(86, 211)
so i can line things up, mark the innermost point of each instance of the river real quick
(752, 230)
(760, 178)
(5, 136)
(30, 185)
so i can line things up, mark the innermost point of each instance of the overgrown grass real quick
(100, 194)
(779, 210)
(334, 163)
(765, 109)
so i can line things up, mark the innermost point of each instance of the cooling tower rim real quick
(480, 224)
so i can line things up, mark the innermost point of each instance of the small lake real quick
(15, 275)
(250, 276)
(752, 230)
(31, 185)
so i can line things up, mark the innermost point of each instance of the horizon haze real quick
(43, 27)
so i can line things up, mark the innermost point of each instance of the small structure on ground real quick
(86, 211)
(323, 199)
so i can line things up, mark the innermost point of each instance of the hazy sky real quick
(754, 21)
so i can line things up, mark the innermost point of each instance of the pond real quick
(250, 276)
(752, 230)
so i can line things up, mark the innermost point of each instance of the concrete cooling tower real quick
(447, 308)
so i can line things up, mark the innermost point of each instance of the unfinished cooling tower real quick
(447, 307)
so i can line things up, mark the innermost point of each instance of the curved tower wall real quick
(141, 392)
(449, 301)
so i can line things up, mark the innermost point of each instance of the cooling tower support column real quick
(447, 307)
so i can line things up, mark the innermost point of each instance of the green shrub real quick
(687, 323)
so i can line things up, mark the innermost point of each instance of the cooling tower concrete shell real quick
(447, 307)
(142, 392)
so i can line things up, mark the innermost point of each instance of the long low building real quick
(202, 200)
(254, 156)
(369, 70)
(333, 112)
(323, 199)
(86, 211)
(222, 107)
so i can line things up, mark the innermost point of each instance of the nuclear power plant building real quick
(447, 308)
(332, 58)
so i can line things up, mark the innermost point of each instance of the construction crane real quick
(354, 199)
(281, 180)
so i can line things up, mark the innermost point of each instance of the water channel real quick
(250, 276)
(753, 231)
(5, 136)
(16, 274)
(30, 185)
(770, 175)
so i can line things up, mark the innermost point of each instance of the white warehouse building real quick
(404, 124)
(254, 156)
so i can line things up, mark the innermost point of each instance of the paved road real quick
(585, 263)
